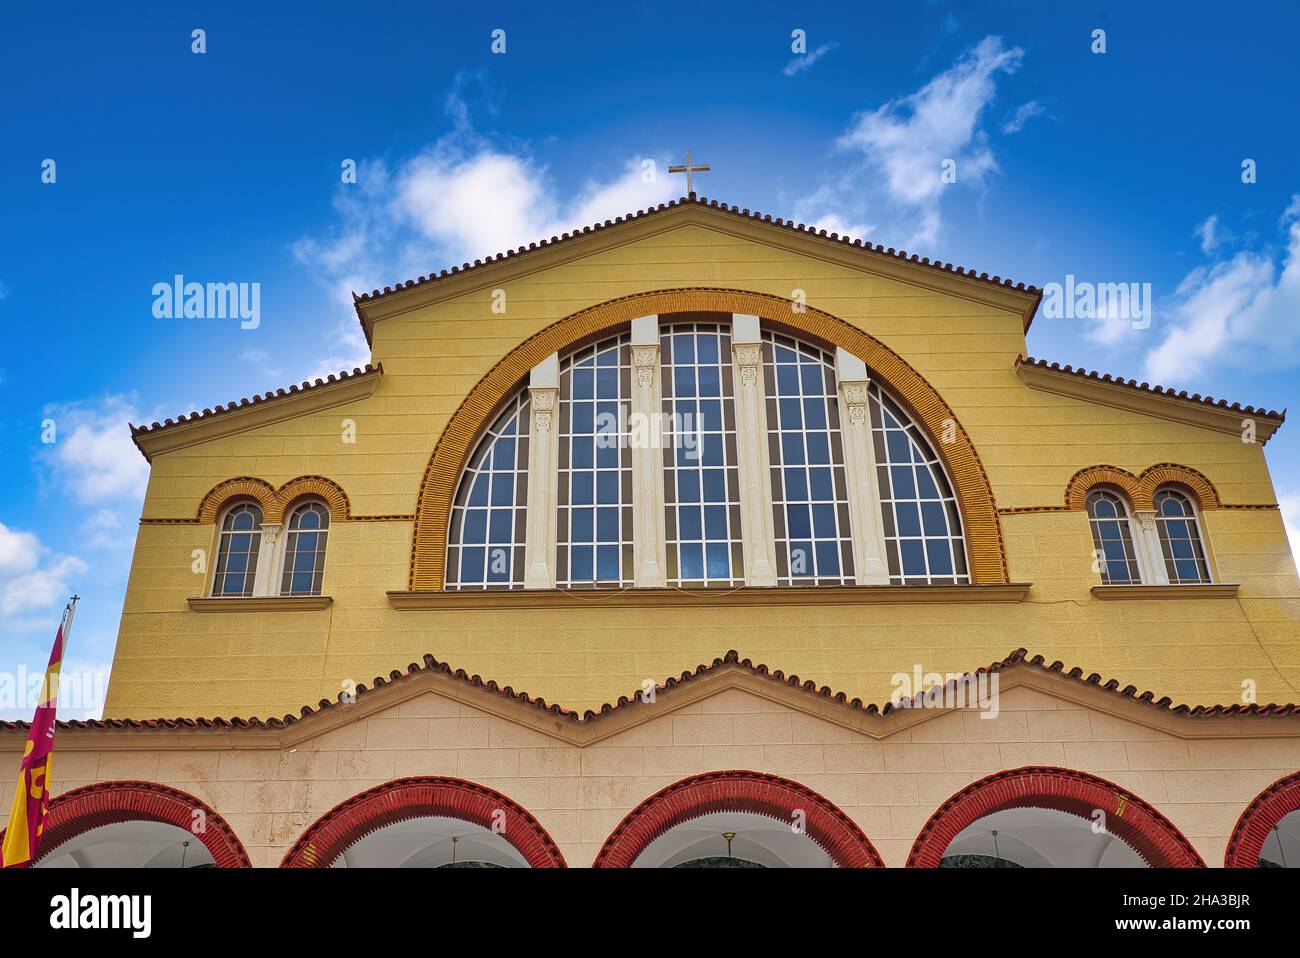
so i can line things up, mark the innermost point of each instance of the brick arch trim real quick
(110, 803)
(1253, 827)
(406, 798)
(974, 494)
(1140, 489)
(1128, 817)
(738, 791)
(275, 502)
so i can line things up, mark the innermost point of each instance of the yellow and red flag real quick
(32, 799)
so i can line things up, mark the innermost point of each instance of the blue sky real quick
(1122, 166)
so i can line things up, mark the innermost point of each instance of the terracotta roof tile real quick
(694, 200)
(138, 431)
(1018, 659)
(1155, 390)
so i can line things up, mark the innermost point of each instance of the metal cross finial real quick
(689, 168)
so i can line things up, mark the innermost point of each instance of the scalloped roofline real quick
(706, 680)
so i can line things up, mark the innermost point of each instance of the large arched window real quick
(485, 547)
(923, 536)
(1180, 538)
(701, 450)
(701, 471)
(304, 549)
(594, 500)
(237, 551)
(1112, 538)
(810, 505)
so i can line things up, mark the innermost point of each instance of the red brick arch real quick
(1128, 817)
(1257, 821)
(110, 803)
(738, 791)
(406, 798)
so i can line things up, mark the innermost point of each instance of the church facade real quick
(699, 538)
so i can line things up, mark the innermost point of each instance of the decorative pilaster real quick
(751, 445)
(543, 452)
(870, 560)
(649, 558)
(270, 561)
(1151, 558)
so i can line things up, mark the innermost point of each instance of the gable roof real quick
(691, 204)
(728, 671)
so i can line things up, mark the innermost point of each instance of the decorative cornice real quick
(1195, 410)
(596, 600)
(897, 264)
(974, 494)
(249, 413)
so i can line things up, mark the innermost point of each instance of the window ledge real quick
(259, 603)
(703, 598)
(1205, 590)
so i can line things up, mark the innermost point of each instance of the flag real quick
(32, 799)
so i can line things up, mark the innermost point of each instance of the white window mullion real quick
(649, 553)
(751, 443)
(270, 561)
(543, 448)
(870, 559)
(1147, 540)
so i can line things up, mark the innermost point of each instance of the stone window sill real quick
(259, 603)
(1206, 590)
(703, 598)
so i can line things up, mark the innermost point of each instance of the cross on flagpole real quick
(689, 168)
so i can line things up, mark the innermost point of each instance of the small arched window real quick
(237, 550)
(304, 549)
(1180, 538)
(1112, 539)
(923, 535)
(485, 546)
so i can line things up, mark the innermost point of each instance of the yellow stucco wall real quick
(174, 661)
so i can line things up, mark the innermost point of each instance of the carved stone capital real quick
(748, 358)
(270, 531)
(645, 359)
(855, 398)
(543, 401)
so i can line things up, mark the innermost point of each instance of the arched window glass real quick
(304, 549)
(485, 545)
(1180, 538)
(594, 519)
(701, 475)
(241, 539)
(923, 534)
(1112, 538)
(810, 506)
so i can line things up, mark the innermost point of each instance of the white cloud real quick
(799, 64)
(1024, 113)
(31, 578)
(903, 145)
(462, 198)
(18, 551)
(4, 290)
(1241, 312)
(93, 457)
(1290, 503)
(1208, 234)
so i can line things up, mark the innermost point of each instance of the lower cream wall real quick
(890, 787)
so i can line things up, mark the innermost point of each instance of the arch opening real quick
(1267, 835)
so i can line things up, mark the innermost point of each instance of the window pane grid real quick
(923, 533)
(237, 551)
(594, 526)
(1180, 538)
(701, 472)
(1112, 539)
(485, 543)
(810, 509)
(304, 550)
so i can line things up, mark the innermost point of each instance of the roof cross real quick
(689, 168)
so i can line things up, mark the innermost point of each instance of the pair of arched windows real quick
(740, 423)
(1163, 547)
(245, 543)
